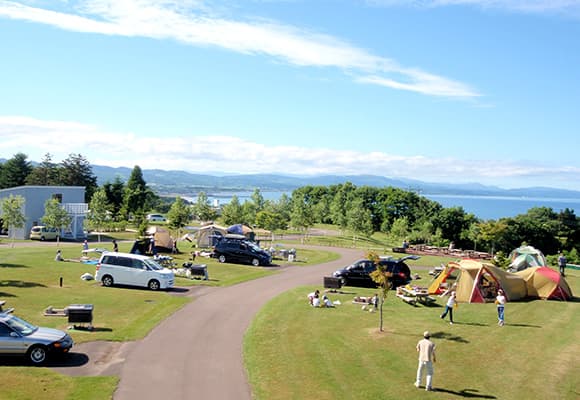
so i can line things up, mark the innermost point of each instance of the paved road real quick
(197, 352)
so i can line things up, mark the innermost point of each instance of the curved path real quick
(196, 353)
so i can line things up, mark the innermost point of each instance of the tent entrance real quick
(487, 286)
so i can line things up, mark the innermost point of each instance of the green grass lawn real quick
(30, 282)
(293, 351)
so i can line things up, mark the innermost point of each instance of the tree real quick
(115, 192)
(383, 280)
(15, 171)
(400, 228)
(137, 194)
(301, 216)
(270, 221)
(258, 200)
(45, 174)
(99, 212)
(55, 217)
(179, 214)
(359, 219)
(202, 210)
(12, 213)
(77, 171)
(232, 212)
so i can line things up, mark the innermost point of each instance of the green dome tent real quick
(526, 257)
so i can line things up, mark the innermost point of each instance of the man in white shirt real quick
(426, 350)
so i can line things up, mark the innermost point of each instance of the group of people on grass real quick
(316, 301)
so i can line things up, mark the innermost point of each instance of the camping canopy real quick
(525, 257)
(546, 283)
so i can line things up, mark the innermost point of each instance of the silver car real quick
(18, 337)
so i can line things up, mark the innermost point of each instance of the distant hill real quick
(185, 183)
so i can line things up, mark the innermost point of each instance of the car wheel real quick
(154, 284)
(222, 258)
(255, 262)
(342, 281)
(42, 238)
(37, 354)
(107, 281)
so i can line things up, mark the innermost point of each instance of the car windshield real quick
(153, 265)
(253, 246)
(21, 326)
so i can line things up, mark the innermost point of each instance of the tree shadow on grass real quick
(449, 336)
(3, 294)
(467, 393)
(13, 266)
(20, 284)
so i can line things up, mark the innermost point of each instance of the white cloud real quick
(569, 8)
(194, 24)
(227, 154)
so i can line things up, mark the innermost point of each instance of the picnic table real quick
(414, 295)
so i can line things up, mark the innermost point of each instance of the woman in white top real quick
(449, 308)
(500, 300)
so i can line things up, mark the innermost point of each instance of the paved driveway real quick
(197, 352)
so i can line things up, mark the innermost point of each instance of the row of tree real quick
(75, 170)
(361, 211)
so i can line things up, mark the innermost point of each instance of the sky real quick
(451, 91)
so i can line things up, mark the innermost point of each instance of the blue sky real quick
(481, 91)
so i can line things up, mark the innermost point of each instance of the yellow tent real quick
(545, 283)
(479, 282)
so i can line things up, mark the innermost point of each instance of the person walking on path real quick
(500, 300)
(562, 264)
(115, 246)
(426, 350)
(451, 303)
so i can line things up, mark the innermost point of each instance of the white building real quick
(71, 198)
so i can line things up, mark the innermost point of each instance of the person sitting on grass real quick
(312, 295)
(326, 302)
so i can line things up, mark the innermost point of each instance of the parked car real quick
(19, 337)
(43, 233)
(134, 270)
(237, 249)
(358, 273)
(156, 218)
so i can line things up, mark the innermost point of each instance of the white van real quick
(133, 269)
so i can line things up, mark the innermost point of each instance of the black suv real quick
(358, 274)
(237, 249)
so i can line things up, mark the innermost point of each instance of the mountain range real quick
(185, 183)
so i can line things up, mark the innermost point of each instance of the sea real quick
(483, 207)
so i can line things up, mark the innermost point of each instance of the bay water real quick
(484, 207)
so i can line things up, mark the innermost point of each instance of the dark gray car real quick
(19, 337)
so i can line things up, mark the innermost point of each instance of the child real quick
(500, 300)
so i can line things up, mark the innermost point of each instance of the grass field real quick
(30, 282)
(293, 351)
